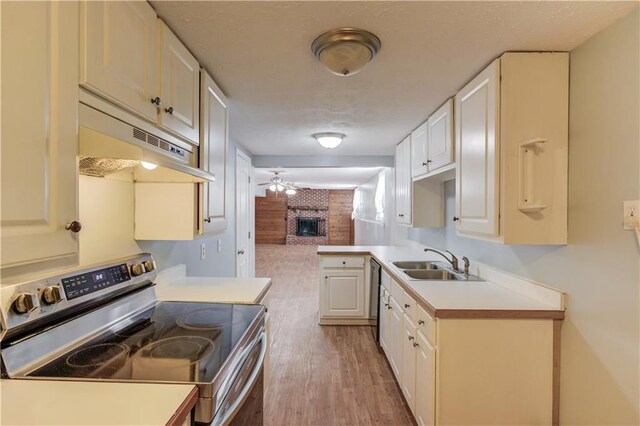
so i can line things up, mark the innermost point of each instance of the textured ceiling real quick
(321, 178)
(259, 53)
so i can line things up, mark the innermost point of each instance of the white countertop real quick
(212, 290)
(40, 402)
(453, 298)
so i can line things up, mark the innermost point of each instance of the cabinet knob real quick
(156, 101)
(415, 345)
(410, 337)
(420, 322)
(455, 218)
(169, 110)
(400, 215)
(388, 306)
(406, 305)
(241, 251)
(207, 219)
(73, 226)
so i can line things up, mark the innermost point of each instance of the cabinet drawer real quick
(409, 305)
(343, 262)
(397, 292)
(426, 324)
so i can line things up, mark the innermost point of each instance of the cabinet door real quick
(396, 335)
(383, 318)
(344, 293)
(419, 151)
(403, 181)
(408, 382)
(39, 47)
(213, 154)
(477, 153)
(118, 53)
(179, 86)
(425, 395)
(439, 137)
(398, 184)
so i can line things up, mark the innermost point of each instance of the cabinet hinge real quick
(249, 234)
(249, 179)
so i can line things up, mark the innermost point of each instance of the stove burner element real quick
(143, 329)
(191, 348)
(210, 319)
(97, 355)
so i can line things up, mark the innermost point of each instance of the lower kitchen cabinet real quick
(455, 371)
(342, 290)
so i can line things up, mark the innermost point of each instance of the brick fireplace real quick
(308, 206)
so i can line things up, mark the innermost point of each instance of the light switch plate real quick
(631, 214)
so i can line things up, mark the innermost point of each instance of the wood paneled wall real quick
(340, 222)
(271, 219)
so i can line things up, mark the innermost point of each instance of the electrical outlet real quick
(219, 245)
(203, 251)
(631, 214)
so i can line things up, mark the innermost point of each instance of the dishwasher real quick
(374, 299)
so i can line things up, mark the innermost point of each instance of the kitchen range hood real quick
(109, 144)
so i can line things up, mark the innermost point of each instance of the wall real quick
(599, 268)
(108, 232)
(340, 223)
(271, 218)
(367, 230)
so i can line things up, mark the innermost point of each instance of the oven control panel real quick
(79, 285)
(30, 302)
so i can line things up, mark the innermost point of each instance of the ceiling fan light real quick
(279, 187)
(329, 140)
(272, 188)
(290, 191)
(346, 51)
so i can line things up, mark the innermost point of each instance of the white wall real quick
(599, 268)
(368, 231)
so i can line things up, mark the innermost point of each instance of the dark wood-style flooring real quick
(320, 375)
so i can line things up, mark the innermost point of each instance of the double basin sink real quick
(435, 271)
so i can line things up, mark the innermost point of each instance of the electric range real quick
(104, 323)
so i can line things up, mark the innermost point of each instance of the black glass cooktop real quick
(172, 341)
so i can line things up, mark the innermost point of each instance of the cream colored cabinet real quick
(403, 182)
(214, 136)
(396, 333)
(421, 203)
(439, 138)
(118, 54)
(425, 381)
(512, 149)
(342, 291)
(383, 318)
(419, 155)
(39, 48)
(179, 86)
(409, 345)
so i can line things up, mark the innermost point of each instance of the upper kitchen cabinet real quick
(419, 203)
(214, 135)
(511, 150)
(39, 136)
(440, 138)
(179, 86)
(118, 54)
(432, 143)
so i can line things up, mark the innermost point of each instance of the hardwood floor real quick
(320, 375)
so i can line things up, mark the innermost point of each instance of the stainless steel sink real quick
(432, 274)
(417, 265)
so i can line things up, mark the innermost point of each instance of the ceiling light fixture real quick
(329, 140)
(345, 51)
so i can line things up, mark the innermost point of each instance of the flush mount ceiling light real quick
(345, 51)
(329, 140)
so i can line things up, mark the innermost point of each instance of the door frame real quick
(242, 156)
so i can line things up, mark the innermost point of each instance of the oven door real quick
(243, 404)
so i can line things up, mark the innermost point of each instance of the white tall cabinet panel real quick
(39, 46)
(118, 53)
(214, 116)
(477, 191)
(179, 86)
(439, 137)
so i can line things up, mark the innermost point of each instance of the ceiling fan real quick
(276, 184)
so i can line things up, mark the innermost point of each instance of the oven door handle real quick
(248, 387)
